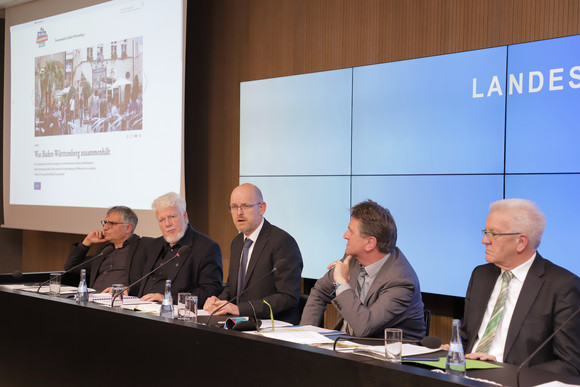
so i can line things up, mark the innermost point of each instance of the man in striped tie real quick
(518, 299)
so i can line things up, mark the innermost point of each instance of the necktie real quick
(360, 293)
(243, 264)
(361, 283)
(492, 325)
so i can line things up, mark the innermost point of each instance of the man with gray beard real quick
(198, 271)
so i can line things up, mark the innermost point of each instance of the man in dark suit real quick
(256, 251)
(198, 271)
(374, 287)
(518, 299)
(123, 265)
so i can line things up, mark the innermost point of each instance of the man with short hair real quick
(123, 265)
(255, 252)
(198, 271)
(374, 287)
(518, 299)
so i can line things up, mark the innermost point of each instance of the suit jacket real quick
(550, 294)
(274, 247)
(198, 272)
(393, 301)
(78, 254)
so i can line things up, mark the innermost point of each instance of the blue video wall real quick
(435, 140)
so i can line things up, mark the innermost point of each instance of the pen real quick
(420, 359)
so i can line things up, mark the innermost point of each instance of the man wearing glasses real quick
(259, 248)
(122, 265)
(518, 299)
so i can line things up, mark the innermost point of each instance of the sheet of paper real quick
(298, 336)
(408, 350)
(43, 290)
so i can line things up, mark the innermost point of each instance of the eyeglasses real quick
(243, 207)
(108, 223)
(492, 235)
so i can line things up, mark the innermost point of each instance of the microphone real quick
(106, 251)
(182, 251)
(432, 342)
(529, 358)
(17, 274)
(235, 298)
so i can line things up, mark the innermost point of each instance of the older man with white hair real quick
(198, 271)
(518, 299)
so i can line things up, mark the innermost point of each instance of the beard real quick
(172, 239)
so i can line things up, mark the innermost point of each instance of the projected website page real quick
(96, 99)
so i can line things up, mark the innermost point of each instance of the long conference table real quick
(52, 341)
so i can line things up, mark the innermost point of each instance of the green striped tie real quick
(492, 325)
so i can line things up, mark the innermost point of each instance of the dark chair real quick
(302, 303)
(427, 314)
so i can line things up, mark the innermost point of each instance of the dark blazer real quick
(281, 289)
(78, 254)
(550, 294)
(198, 272)
(393, 301)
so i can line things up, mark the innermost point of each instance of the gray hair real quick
(527, 218)
(128, 215)
(170, 199)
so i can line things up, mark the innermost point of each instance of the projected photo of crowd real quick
(94, 89)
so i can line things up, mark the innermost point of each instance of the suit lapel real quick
(261, 243)
(354, 272)
(480, 294)
(530, 289)
(235, 257)
(383, 272)
(157, 246)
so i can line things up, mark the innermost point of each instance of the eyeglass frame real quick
(492, 235)
(243, 207)
(111, 224)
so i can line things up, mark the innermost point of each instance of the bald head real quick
(247, 208)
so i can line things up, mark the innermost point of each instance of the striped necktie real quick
(493, 324)
(361, 283)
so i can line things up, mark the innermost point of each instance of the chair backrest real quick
(427, 315)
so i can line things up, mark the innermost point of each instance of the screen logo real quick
(41, 37)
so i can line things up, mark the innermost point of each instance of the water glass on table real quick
(190, 309)
(181, 305)
(54, 284)
(393, 344)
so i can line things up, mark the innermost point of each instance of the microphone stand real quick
(235, 298)
(525, 362)
(182, 251)
(106, 251)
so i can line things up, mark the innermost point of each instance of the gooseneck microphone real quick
(182, 251)
(529, 358)
(106, 251)
(432, 342)
(236, 297)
